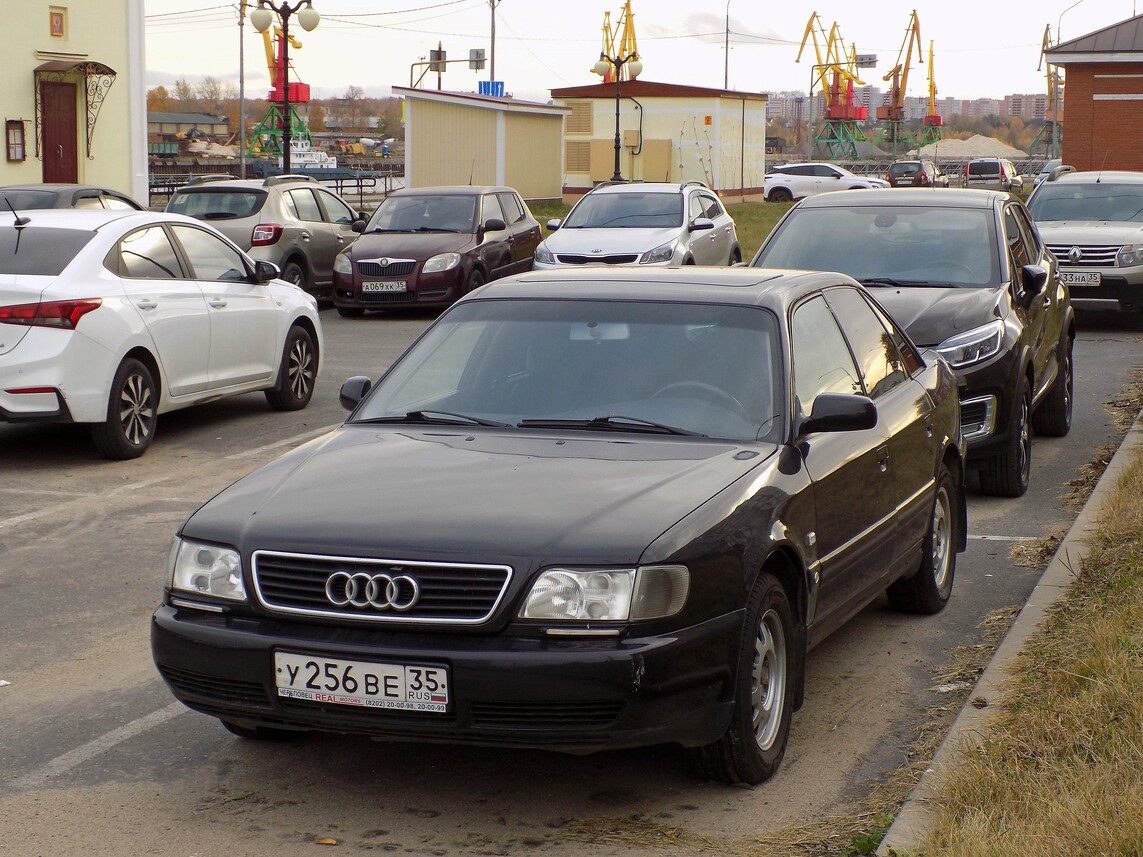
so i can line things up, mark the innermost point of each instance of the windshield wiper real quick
(889, 281)
(612, 422)
(441, 417)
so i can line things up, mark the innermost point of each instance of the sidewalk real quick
(918, 813)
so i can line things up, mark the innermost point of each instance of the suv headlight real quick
(662, 253)
(443, 262)
(205, 569)
(342, 265)
(1130, 255)
(545, 256)
(973, 346)
(609, 595)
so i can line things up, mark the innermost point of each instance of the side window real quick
(305, 205)
(147, 254)
(802, 171)
(336, 211)
(87, 202)
(1031, 235)
(696, 207)
(513, 210)
(713, 209)
(210, 258)
(490, 208)
(116, 203)
(1015, 238)
(822, 362)
(880, 361)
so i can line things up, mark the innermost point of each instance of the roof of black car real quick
(942, 197)
(691, 284)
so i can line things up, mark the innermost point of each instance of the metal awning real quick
(97, 79)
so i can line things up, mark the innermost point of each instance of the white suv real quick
(795, 181)
(1093, 224)
(662, 224)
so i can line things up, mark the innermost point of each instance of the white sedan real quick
(795, 181)
(111, 318)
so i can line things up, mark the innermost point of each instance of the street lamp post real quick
(262, 18)
(634, 67)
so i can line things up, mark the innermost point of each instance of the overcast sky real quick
(982, 48)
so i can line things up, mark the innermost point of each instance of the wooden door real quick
(60, 132)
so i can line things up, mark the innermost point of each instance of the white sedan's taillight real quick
(62, 314)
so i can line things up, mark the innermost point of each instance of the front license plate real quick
(399, 686)
(388, 286)
(1081, 278)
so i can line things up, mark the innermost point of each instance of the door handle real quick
(217, 302)
(146, 303)
(59, 150)
(883, 458)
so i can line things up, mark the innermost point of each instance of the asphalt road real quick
(97, 759)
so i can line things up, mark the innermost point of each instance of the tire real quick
(779, 194)
(350, 311)
(1053, 418)
(297, 373)
(927, 592)
(755, 742)
(475, 281)
(260, 733)
(735, 256)
(132, 411)
(296, 274)
(1008, 473)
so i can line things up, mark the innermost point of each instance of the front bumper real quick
(421, 290)
(577, 694)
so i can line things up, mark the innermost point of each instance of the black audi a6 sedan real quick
(585, 510)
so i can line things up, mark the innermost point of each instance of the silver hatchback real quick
(293, 221)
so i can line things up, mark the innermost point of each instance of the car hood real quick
(409, 245)
(931, 314)
(1090, 232)
(590, 242)
(445, 494)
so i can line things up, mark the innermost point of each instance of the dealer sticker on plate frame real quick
(370, 685)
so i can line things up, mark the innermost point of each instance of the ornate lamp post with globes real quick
(634, 67)
(262, 18)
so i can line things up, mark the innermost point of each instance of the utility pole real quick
(241, 91)
(492, 4)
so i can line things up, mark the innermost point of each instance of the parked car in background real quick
(992, 174)
(967, 275)
(796, 181)
(1093, 223)
(915, 174)
(1051, 170)
(30, 197)
(112, 318)
(291, 220)
(426, 247)
(664, 224)
(661, 487)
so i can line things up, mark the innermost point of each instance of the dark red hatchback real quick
(426, 247)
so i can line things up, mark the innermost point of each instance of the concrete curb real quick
(919, 813)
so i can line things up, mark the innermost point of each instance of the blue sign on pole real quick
(491, 87)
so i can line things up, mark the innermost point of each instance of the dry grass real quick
(1060, 771)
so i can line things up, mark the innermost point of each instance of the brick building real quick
(1104, 74)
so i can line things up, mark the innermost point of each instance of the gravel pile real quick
(977, 146)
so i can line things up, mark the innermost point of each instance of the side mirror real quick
(353, 391)
(701, 223)
(840, 412)
(554, 224)
(494, 224)
(1033, 279)
(358, 226)
(266, 271)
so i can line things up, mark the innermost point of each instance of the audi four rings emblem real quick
(379, 591)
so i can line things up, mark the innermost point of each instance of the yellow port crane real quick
(897, 131)
(1049, 135)
(931, 124)
(619, 42)
(835, 75)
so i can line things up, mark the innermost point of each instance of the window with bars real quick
(14, 138)
(579, 121)
(577, 154)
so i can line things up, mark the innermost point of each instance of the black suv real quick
(967, 275)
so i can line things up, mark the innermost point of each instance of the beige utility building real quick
(74, 99)
(668, 132)
(454, 138)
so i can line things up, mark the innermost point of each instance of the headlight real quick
(443, 262)
(545, 256)
(662, 253)
(342, 265)
(970, 347)
(651, 592)
(204, 569)
(1130, 255)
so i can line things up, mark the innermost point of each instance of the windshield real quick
(695, 368)
(422, 213)
(1095, 201)
(628, 210)
(918, 245)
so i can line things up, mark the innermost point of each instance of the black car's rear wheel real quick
(132, 411)
(755, 742)
(1053, 418)
(929, 589)
(1008, 473)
